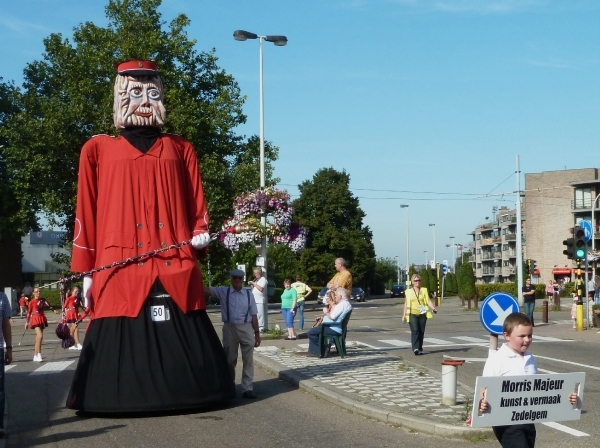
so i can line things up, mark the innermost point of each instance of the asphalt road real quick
(557, 346)
(283, 415)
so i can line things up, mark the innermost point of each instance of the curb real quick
(418, 424)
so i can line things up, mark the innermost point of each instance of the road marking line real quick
(546, 371)
(568, 362)
(466, 359)
(52, 367)
(303, 346)
(470, 339)
(395, 342)
(537, 337)
(436, 341)
(573, 432)
(7, 368)
(353, 343)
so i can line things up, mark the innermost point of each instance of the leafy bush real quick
(568, 289)
(52, 296)
(485, 289)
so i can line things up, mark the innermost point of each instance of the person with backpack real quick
(302, 292)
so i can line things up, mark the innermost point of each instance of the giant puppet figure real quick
(150, 344)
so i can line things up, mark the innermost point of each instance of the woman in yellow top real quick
(419, 307)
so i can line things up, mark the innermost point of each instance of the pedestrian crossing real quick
(44, 368)
(451, 341)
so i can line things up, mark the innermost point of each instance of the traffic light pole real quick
(578, 284)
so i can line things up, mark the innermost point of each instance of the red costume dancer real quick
(36, 320)
(70, 311)
(149, 345)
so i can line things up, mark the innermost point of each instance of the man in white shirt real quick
(240, 327)
(259, 285)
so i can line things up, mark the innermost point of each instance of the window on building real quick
(583, 198)
(478, 265)
(505, 247)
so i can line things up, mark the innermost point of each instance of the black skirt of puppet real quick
(140, 365)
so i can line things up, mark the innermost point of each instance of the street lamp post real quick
(279, 41)
(407, 265)
(453, 256)
(434, 260)
(398, 268)
(426, 260)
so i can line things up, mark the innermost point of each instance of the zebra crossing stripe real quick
(395, 342)
(470, 339)
(7, 368)
(52, 367)
(546, 338)
(436, 341)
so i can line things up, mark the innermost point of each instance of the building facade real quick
(37, 265)
(555, 201)
(494, 249)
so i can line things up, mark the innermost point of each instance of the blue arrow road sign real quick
(494, 310)
(587, 229)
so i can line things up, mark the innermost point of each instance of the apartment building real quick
(494, 248)
(555, 201)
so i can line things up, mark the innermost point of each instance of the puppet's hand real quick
(87, 290)
(201, 240)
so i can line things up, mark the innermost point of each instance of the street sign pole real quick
(492, 313)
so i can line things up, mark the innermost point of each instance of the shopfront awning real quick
(561, 271)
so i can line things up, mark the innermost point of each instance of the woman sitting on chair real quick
(335, 316)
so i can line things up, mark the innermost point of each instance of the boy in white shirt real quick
(513, 359)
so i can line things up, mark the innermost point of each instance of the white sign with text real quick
(516, 400)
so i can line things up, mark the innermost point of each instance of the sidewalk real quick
(378, 385)
(375, 385)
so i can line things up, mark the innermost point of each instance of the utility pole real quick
(519, 238)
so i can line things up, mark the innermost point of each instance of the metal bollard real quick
(449, 379)
(545, 312)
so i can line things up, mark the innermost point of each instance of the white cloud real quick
(553, 63)
(20, 26)
(472, 6)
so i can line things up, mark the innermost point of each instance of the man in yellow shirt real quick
(343, 278)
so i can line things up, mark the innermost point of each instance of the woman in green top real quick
(288, 308)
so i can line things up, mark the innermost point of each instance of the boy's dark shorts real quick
(516, 436)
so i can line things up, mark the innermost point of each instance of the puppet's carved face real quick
(138, 101)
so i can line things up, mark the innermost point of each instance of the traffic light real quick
(532, 266)
(580, 244)
(569, 242)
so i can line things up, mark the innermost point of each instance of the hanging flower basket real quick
(275, 206)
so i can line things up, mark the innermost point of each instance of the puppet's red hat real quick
(136, 68)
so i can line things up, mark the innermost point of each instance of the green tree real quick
(411, 271)
(13, 221)
(334, 221)
(424, 274)
(466, 283)
(433, 281)
(67, 97)
(385, 271)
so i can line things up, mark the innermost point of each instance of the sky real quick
(426, 103)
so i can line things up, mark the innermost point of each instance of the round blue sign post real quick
(587, 230)
(494, 310)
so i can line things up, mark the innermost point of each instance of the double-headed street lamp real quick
(279, 41)
(407, 265)
(434, 262)
(453, 256)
